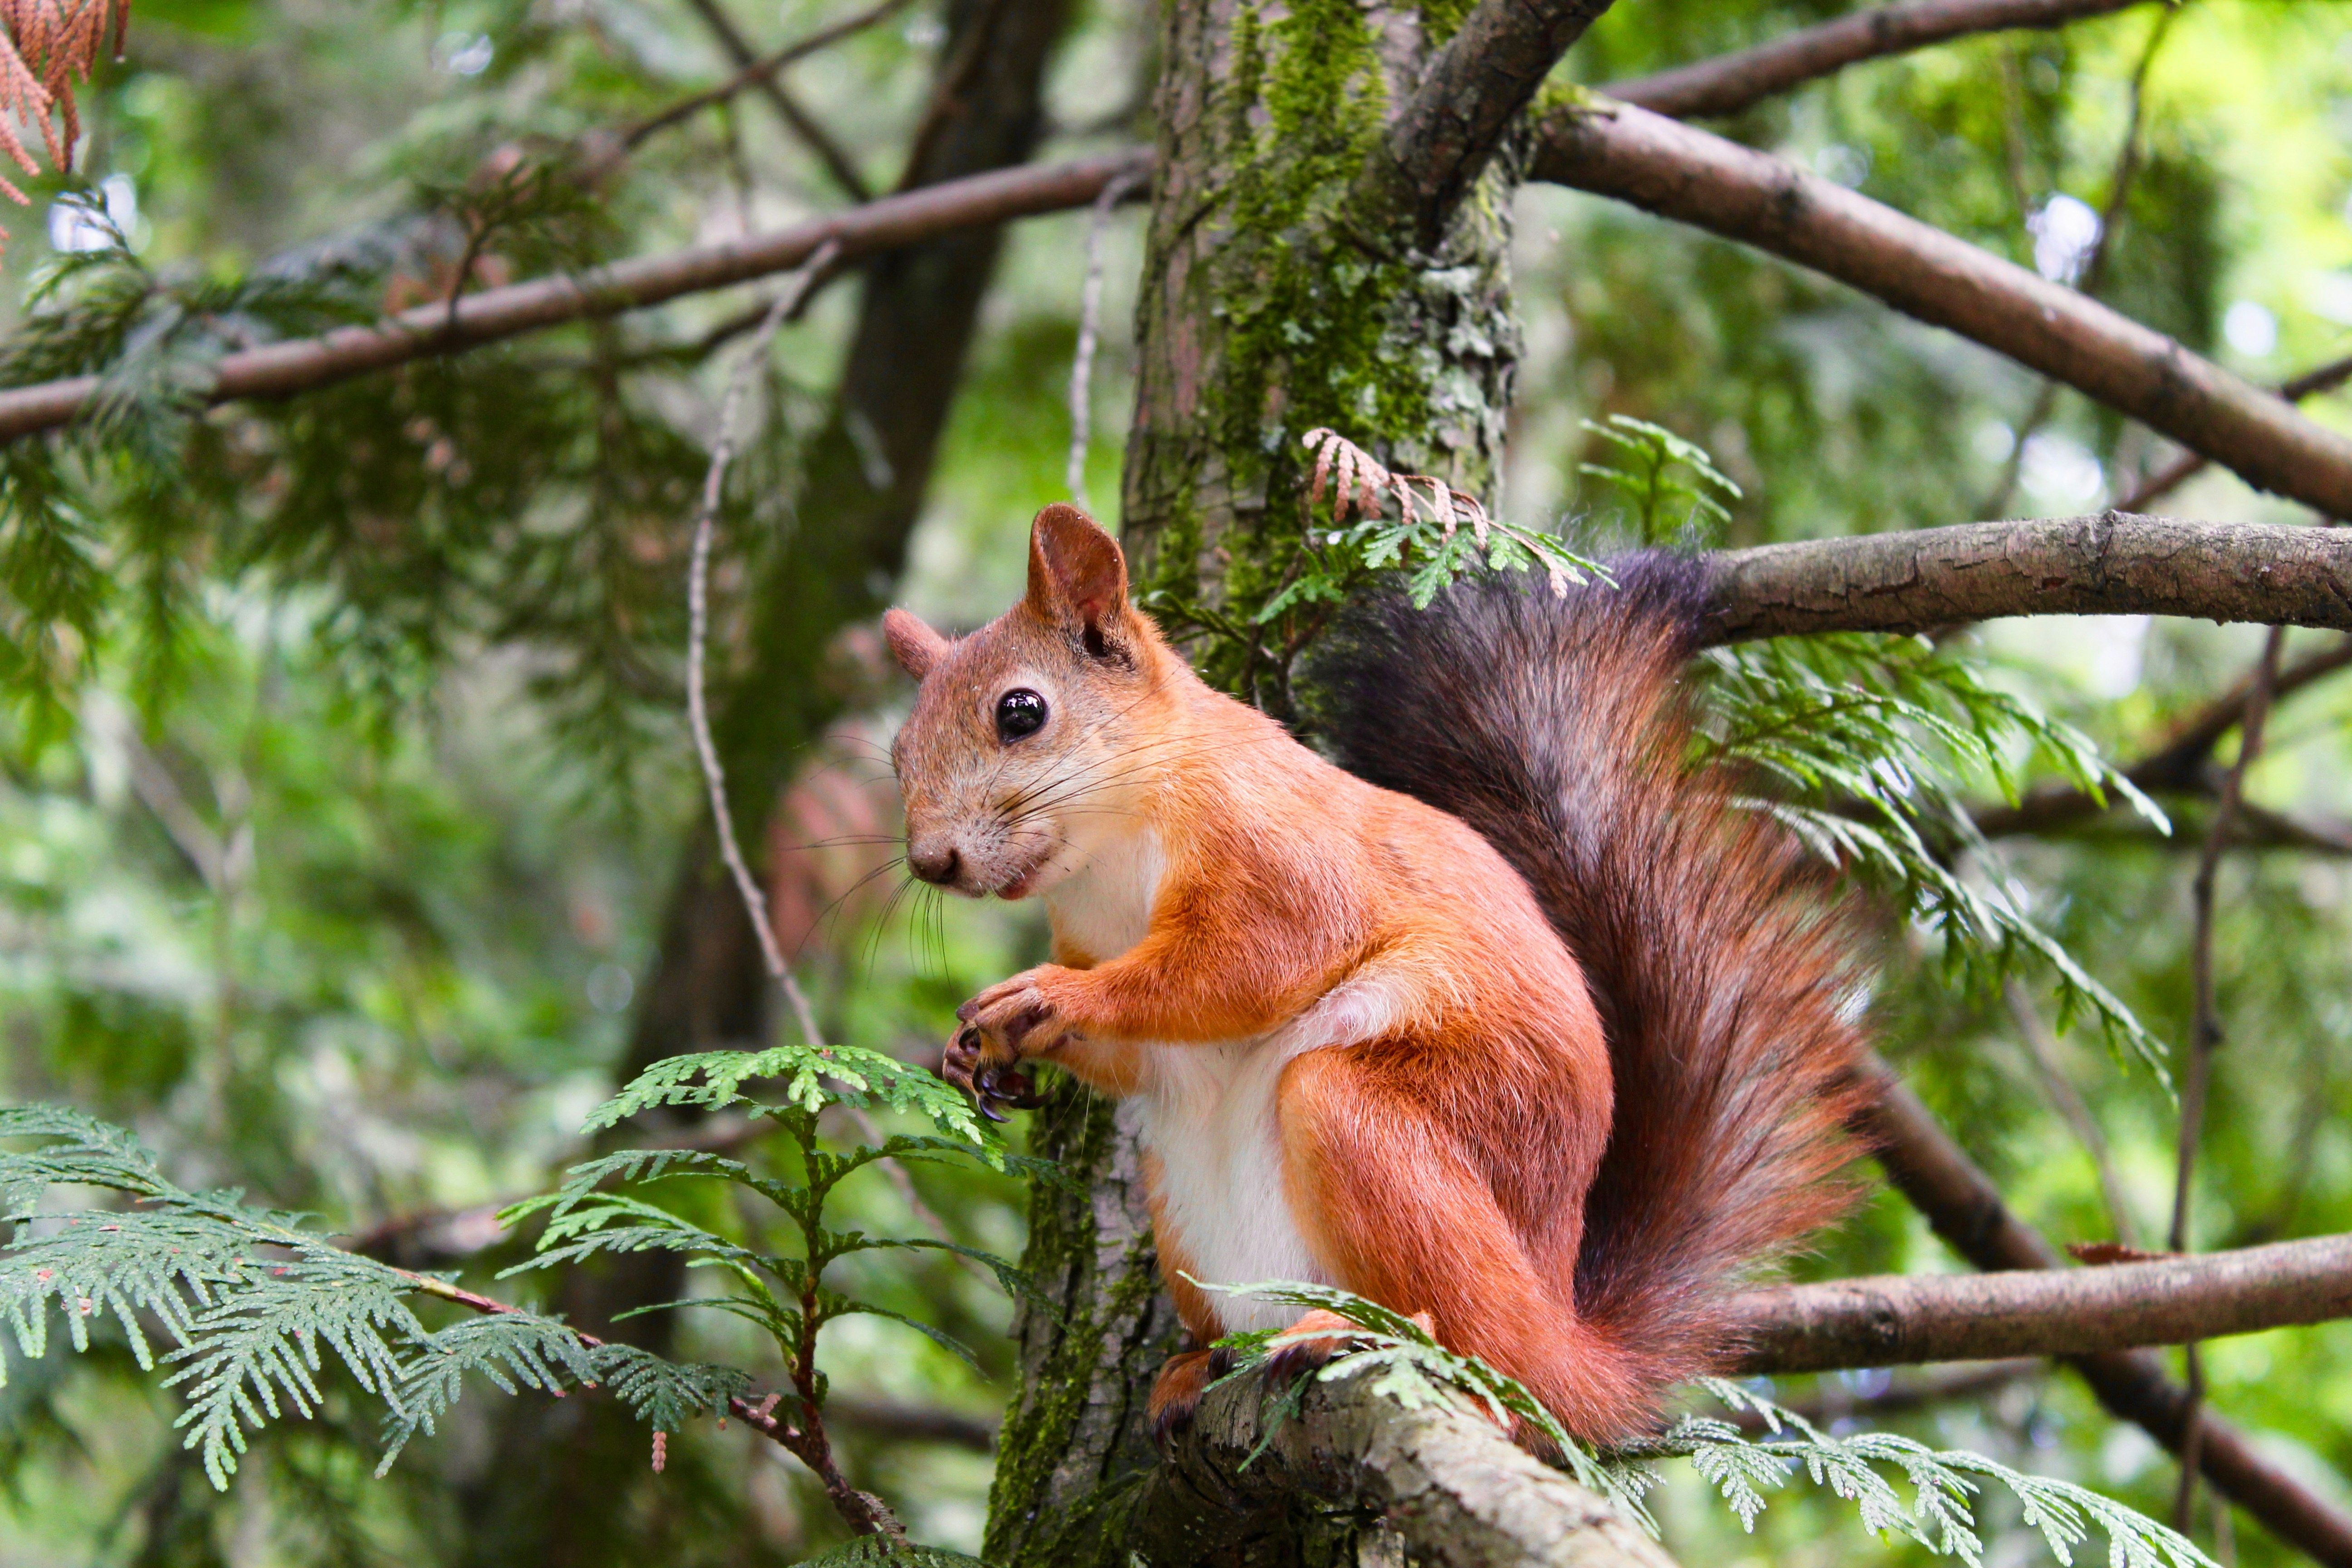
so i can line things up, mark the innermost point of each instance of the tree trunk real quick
(1274, 300)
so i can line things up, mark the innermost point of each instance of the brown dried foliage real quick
(44, 46)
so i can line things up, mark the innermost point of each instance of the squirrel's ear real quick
(1078, 578)
(915, 645)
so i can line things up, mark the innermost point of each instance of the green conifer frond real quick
(1408, 1365)
(857, 1077)
(251, 1301)
(1863, 744)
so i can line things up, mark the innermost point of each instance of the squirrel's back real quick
(1721, 969)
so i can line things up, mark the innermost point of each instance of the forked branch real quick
(1680, 173)
(1729, 83)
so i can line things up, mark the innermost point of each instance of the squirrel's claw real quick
(991, 1084)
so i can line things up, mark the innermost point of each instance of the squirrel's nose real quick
(934, 862)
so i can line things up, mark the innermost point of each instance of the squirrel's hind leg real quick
(1395, 1208)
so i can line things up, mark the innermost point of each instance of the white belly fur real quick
(1210, 1118)
(1209, 1111)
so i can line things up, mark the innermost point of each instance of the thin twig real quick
(797, 118)
(2095, 266)
(788, 303)
(761, 69)
(1965, 1208)
(2043, 1045)
(863, 1511)
(1082, 363)
(2205, 1031)
(1730, 84)
(698, 600)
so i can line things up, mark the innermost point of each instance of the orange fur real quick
(1366, 1049)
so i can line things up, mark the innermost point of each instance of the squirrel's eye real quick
(1018, 713)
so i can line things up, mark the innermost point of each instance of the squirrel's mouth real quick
(1025, 881)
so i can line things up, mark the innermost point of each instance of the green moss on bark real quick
(1305, 317)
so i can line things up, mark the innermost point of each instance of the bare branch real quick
(1965, 1208)
(787, 302)
(1457, 1492)
(894, 1420)
(1670, 169)
(1487, 72)
(760, 70)
(1729, 83)
(789, 109)
(2111, 563)
(2188, 465)
(1902, 1320)
(302, 364)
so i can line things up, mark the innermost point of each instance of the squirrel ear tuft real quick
(915, 645)
(1078, 578)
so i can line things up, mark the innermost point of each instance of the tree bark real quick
(2112, 563)
(1677, 171)
(1353, 1477)
(1277, 296)
(1898, 1319)
(1281, 290)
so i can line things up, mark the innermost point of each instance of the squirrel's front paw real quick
(1009, 1021)
(1019, 1013)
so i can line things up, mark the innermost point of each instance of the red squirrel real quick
(1511, 1021)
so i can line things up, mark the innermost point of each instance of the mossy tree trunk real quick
(1278, 296)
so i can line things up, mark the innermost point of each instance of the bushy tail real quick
(1556, 728)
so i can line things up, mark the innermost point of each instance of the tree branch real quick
(2099, 565)
(1664, 167)
(2111, 563)
(797, 118)
(1455, 1492)
(762, 70)
(1939, 1385)
(1472, 92)
(2188, 465)
(1729, 83)
(303, 364)
(1902, 1320)
(1963, 1206)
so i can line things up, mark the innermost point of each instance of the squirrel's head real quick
(1017, 762)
